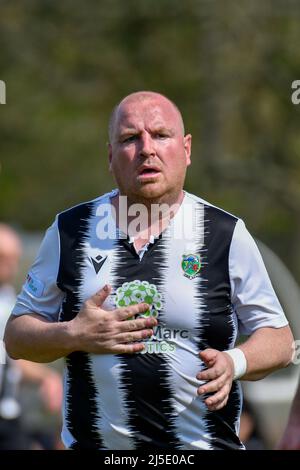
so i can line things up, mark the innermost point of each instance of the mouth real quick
(148, 171)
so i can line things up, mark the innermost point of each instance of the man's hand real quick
(219, 376)
(99, 331)
(48, 380)
(51, 391)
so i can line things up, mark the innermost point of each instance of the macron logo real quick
(98, 262)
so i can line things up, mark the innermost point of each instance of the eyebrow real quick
(132, 130)
(128, 130)
(164, 129)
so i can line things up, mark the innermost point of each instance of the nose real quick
(147, 147)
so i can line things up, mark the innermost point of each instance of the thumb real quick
(208, 356)
(99, 298)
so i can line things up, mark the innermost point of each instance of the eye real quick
(161, 135)
(129, 138)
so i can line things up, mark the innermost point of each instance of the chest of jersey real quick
(186, 283)
(187, 290)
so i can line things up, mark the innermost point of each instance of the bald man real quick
(144, 291)
(10, 253)
(12, 435)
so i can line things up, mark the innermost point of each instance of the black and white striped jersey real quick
(203, 278)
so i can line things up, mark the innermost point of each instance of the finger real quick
(133, 336)
(212, 386)
(126, 312)
(218, 406)
(211, 374)
(208, 356)
(99, 298)
(217, 398)
(138, 324)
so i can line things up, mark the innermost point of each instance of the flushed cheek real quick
(123, 166)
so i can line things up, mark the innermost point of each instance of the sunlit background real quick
(228, 65)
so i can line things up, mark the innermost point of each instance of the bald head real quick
(10, 253)
(141, 96)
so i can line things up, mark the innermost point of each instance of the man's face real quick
(10, 252)
(148, 152)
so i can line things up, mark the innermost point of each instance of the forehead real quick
(146, 112)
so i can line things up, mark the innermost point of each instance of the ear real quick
(109, 156)
(187, 142)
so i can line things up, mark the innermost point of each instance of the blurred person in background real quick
(291, 436)
(193, 271)
(13, 434)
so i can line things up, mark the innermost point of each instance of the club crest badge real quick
(135, 292)
(190, 265)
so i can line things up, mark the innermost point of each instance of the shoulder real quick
(84, 210)
(215, 216)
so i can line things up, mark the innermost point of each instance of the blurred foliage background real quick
(228, 65)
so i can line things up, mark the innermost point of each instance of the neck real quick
(145, 217)
(167, 199)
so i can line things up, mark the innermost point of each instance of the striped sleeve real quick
(252, 293)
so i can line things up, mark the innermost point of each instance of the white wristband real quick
(239, 361)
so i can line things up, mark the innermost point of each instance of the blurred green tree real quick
(228, 65)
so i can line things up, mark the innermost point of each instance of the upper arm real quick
(252, 293)
(40, 294)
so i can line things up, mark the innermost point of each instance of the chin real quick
(151, 192)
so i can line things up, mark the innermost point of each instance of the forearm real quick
(33, 338)
(267, 350)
